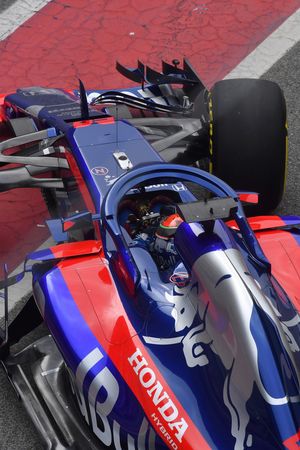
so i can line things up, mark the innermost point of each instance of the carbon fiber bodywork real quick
(40, 378)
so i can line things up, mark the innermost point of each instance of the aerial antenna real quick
(84, 107)
(141, 68)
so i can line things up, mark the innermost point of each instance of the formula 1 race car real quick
(173, 319)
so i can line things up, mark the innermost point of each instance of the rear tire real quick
(248, 138)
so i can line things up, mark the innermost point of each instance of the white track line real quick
(16, 14)
(270, 50)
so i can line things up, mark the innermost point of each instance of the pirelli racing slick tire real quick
(248, 138)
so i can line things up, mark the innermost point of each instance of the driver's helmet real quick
(163, 248)
(167, 228)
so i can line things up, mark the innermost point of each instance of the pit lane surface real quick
(16, 431)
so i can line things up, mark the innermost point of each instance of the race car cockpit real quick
(131, 245)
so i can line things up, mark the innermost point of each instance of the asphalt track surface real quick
(286, 73)
(16, 430)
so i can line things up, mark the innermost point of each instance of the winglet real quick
(83, 102)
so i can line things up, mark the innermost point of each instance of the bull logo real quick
(221, 295)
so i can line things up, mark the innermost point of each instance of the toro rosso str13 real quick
(173, 320)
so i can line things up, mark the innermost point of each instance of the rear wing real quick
(170, 74)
